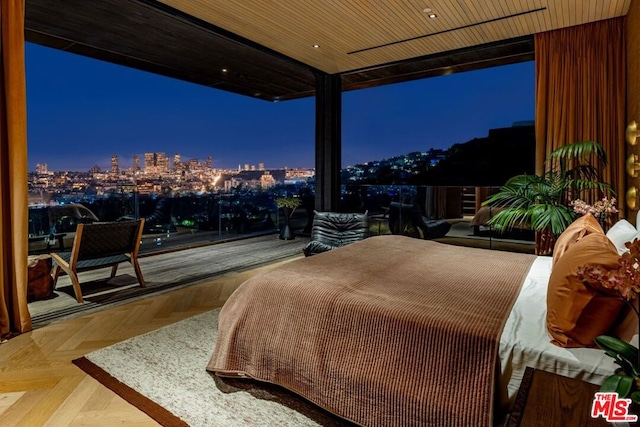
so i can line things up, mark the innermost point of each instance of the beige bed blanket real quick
(389, 331)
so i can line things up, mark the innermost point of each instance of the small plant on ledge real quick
(288, 202)
(288, 206)
(626, 281)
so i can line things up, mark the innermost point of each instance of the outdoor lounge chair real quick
(99, 245)
(407, 219)
(332, 230)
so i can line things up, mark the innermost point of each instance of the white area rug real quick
(168, 367)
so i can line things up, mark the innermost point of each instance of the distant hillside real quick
(487, 161)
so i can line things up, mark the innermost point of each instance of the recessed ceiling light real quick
(432, 15)
(426, 10)
(316, 46)
(224, 70)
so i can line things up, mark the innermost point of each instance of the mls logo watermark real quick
(612, 409)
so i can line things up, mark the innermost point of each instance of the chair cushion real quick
(316, 247)
(88, 264)
(435, 228)
(333, 229)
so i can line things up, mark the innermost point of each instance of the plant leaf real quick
(624, 386)
(610, 384)
(617, 383)
(542, 202)
(617, 346)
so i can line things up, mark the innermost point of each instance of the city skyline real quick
(82, 111)
(139, 162)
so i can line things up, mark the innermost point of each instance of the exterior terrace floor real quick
(164, 271)
(172, 267)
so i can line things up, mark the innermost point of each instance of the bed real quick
(399, 331)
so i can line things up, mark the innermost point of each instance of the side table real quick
(380, 218)
(60, 238)
(545, 399)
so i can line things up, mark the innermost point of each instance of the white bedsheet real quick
(526, 342)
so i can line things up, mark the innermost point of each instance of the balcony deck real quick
(182, 262)
(165, 271)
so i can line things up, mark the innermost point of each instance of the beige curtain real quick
(580, 93)
(14, 314)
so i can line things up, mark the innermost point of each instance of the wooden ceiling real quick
(265, 49)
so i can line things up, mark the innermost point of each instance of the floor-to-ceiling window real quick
(196, 162)
(435, 148)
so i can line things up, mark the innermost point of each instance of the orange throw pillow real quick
(578, 229)
(627, 324)
(576, 312)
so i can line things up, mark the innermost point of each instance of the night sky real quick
(81, 111)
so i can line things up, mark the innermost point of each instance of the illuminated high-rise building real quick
(115, 164)
(246, 166)
(194, 164)
(162, 162)
(267, 181)
(149, 162)
(41, 168)
(176, 162)
(260, 166)
(136, 163)
(156, 163)
(208, 162)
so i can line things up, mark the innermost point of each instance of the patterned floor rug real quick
(163, 374)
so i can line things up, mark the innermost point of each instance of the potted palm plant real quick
(543, 202)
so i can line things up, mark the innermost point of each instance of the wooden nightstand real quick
(547, 400)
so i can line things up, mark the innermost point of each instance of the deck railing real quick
(178, 222)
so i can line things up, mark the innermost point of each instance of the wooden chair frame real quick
(92, 255)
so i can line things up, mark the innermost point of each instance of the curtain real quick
(444, 202)
(581, 93)
(14, 314)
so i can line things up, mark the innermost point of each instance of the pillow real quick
(576, 312)
(578, 229)
(627, 324)
(621, 232)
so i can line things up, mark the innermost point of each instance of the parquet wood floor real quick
(39, 386)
